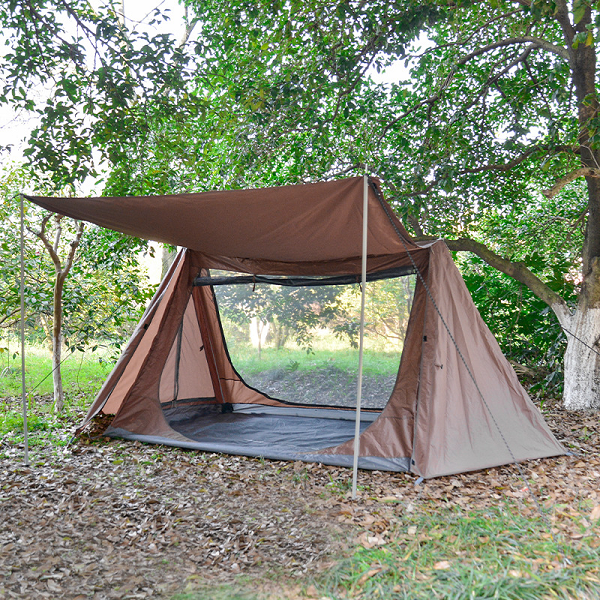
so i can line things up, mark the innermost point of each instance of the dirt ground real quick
(331, 386)
(111, 519)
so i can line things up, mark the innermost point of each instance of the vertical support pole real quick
(362, 333)
(22, 291)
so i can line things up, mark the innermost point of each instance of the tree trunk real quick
(56, 375)
(259, 330)
(582, 362)
(57, 339)
(167, 257)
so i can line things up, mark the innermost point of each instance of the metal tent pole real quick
(23, 393)
(362, 333)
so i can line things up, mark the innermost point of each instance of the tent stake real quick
(362, 334)
(22, 291)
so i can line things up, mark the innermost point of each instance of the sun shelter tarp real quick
(303, 225)
(175, 383)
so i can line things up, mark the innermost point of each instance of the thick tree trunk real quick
(582, 362)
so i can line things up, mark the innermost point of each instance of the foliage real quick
(522, 324)
(487, 113)
(107, 289)
(544, 237)
(298, 312)
(294, 311)
(93, 80)
(494, 110)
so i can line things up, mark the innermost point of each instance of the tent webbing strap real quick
(386, 208)
(304, 281)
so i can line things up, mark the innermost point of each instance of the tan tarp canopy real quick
(175, 384)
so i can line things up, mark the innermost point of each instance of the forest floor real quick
(109, 519)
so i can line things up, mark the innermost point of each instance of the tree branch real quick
(74, 245)
(548, 46)
(502, 167)
(562, 16)
(518, 271)
(41, 234)
(58, 220)
(568, 178)
(8, 316)
(534, 43)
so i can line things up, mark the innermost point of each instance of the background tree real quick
(496, 115)
(87, 80)
(498, 104)
(97, 304)
(290, 312)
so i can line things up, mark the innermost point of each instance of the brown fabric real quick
(454, 430)
(435, 415)
(186, 372)
(305, 223)
(135, 399)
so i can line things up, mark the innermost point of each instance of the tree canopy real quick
(488, 136)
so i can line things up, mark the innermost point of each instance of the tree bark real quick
(582, 362)
(57, 339)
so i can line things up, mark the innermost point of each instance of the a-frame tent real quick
(456, 405)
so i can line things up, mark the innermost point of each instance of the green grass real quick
(83, 375)
(79, 370)
(246, 360)
(446, 553)
(442, 553)
(219, 592)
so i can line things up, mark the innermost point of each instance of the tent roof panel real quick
(312, 222)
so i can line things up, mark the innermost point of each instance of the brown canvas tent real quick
(175, 383)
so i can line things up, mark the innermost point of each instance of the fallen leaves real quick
(126, 520)
(76, 521)
(370, 541)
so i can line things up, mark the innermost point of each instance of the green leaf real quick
(579, 8)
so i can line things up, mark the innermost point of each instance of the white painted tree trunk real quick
(56, 376)
(582, 363)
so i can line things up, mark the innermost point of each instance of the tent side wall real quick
(124, 364)
(454, 429)
(135, 397)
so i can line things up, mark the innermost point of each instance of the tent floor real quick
(278, 433)
(268, 433)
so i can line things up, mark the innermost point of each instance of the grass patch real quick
(246, 360)
(441, 553)
(80, 371)
(82, 375)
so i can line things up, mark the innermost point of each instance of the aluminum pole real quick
(362, 333)
(23, 392)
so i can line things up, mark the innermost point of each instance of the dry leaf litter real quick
(112, 519)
